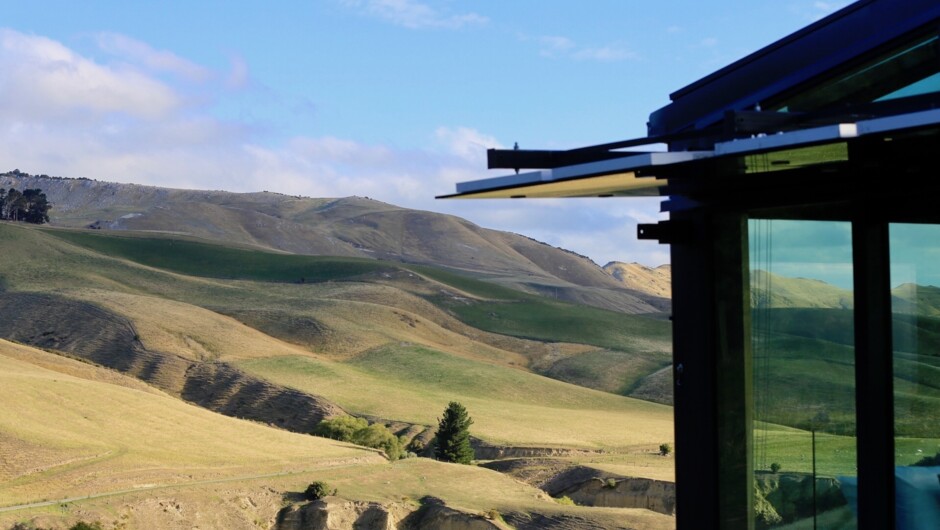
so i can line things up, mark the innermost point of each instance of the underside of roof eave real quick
(616, 185)
(622, 177)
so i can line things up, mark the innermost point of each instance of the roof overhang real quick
(636, 175)
(604, 178)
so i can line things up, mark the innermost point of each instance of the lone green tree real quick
(453, 435)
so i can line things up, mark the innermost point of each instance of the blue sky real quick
(392, 99)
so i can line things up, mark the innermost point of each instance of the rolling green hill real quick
(374, 330)
(352, 227)
(236, 330)
(482, 305)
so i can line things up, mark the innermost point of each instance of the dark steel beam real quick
(694, 378)
(712, 369)
(874, 394)
(537, 159)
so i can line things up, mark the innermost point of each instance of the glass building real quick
(803, 195)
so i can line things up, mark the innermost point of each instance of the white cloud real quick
(127, 126)
(43, 77)
(466, 143)
(605, 54)
(413, 14)
(553, 46)
(155, 60)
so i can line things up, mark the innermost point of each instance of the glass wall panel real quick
(804, 450)
(910, 69)
(915, 282)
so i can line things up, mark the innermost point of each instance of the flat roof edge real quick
(602, 167)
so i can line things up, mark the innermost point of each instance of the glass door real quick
(915, 307)
(803, 365)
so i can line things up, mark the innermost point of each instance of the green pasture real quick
(543, 319)
(414, 384)
(218, 261)
(503, 310)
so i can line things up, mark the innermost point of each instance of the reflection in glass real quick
(908, 70)
(915, 277)
(803, 352)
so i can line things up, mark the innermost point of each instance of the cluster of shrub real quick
(30, 205)
(358, 431)
(81, 525)
(451, 441)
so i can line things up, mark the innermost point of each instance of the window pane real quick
(804, 374)
(908, 70)
(915, 277)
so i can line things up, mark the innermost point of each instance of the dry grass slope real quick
(383, 352)
(80, 430)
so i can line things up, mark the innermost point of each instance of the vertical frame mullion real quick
(873, 369)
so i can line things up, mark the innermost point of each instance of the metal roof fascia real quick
(789, 139)
(632, 163)
(899, 122)
(590, 169)
(839, 131)
(505, 181)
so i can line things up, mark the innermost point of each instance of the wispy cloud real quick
(415, 15)
(156, 60)
(708, 42)
(467, 143)
(238, 75)
(605, 54)
(829, 7)
(818, 9)
(127, 125)
(553, 46)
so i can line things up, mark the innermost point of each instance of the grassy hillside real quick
(217, 261)
(378, 347)
(127, 455)
(656, 281)
(69, 430)
(917, 299)
(805, 377)
(557, 321)
(350, 227)
(522, 314)
(806, 366)
(414, 384)
(776, 291)
(479, 304)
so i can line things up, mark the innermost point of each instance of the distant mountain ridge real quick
(351, 226)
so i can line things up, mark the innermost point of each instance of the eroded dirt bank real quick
(588, 486)
(89, 332)
(334, 513)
